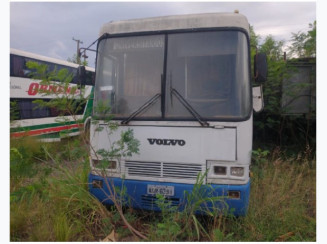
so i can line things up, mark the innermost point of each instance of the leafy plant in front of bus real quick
(202, 202)
(119, 199)
(185, 222)
(126, 146)
(199, 200)
(169, 228)
(109, 160)
(102, 111)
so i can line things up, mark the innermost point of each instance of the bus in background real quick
(183, 85)
(44, 123)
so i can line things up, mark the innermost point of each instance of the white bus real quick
(183, 85)
(30, 119)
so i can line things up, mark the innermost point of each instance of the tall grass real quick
(49, 201)
(282, 202)
(282, 206)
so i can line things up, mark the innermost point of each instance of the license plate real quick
(162, 190)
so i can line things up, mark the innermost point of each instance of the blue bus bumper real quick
(136, 196)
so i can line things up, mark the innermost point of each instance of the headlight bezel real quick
(103, 164)
(216, 170)
(237, 171)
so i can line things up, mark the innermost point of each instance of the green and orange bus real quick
(30, 119)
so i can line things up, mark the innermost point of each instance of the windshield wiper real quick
(188, 107)
(142, 108)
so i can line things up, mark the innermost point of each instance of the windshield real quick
(129, 73)
(209, 70)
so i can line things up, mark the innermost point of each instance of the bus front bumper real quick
(227, 199)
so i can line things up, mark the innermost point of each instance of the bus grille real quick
(163, 170)
(151, 202)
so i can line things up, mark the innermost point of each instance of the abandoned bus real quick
(182, 85)
(42, 122)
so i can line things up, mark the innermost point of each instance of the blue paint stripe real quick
(139, 199)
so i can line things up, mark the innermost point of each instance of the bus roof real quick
(177, 22)
(46, 59)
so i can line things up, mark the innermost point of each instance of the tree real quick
(271, 125)
(304, 44)
(254, 38)
(297, 47)
(310, 44)
(273, 48)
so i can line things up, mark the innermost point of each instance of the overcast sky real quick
(47, 28)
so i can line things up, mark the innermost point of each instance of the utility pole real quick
(78, 51)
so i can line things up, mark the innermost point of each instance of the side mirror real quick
(260, 67)
(257, 96)
(81, 75)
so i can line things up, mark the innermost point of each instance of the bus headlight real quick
(237, 171)
(104, 164)
(219, 170)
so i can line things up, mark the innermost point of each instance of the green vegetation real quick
(304, 44)
(49, 198)
(49, 201)
(273, 126)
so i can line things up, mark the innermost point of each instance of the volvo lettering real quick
(166, 142)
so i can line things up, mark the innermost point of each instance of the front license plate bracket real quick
(160, 189)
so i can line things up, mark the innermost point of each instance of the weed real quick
(280, 192)
(259, 156)
(54, 205)
(62, 228)
(180, 223)
(49, 201)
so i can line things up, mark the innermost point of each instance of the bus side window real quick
(54, 112)
(25, 108)
(27, 71)
(16, 66)
(30, 110)
(73, 72)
